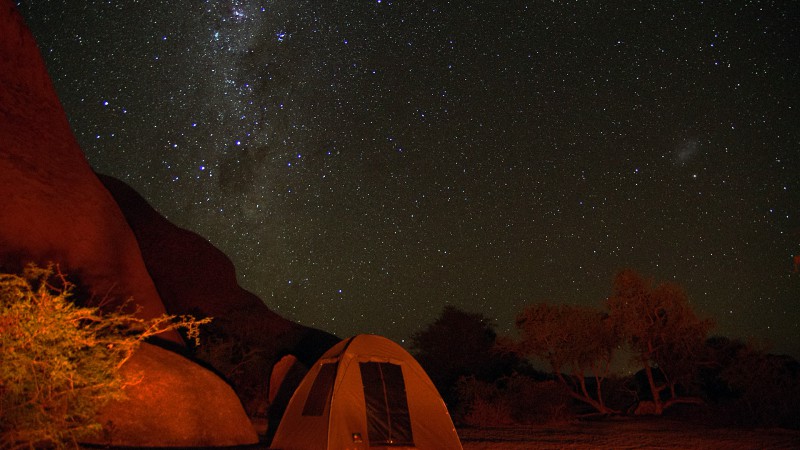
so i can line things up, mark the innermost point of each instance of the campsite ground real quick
(627, 433)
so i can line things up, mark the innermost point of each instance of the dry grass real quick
(627, 433)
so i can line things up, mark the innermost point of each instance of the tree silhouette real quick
(662, 330)
(578, 340)
(460, 344)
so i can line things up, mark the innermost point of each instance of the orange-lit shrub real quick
(59, 361)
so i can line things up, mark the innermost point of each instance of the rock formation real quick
(193, 277)
(55, 209)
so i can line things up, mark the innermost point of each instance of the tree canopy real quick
(575, 339)
(660, 327)
(458, 344)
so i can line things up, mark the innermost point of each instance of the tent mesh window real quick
(388, 421)
(320, 394)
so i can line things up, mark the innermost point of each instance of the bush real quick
(767, 389)
(516, 399)
(60, 362)
(461, 344)
(482, 403)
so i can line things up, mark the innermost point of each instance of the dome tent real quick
(366, 392)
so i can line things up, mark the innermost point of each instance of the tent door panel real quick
(320, 394)
(388, 419)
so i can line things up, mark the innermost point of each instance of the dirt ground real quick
(625, 434)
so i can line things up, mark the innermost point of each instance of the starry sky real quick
(366, 162)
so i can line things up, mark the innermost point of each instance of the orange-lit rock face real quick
(53, 206)
(174, 402)
(194, 277)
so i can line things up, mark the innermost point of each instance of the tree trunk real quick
(598, 381)
(653, 388)
(585, 397)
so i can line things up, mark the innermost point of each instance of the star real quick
(486, 156)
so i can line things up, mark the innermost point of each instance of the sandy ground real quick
(626, 434)
(612, 434)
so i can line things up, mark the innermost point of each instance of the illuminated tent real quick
(365, 393)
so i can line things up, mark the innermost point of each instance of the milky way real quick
(364, 163)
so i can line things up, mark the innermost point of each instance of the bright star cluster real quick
(364, 163)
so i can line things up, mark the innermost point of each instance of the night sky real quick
(364, 163)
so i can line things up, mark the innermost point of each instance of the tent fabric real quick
(366, 392)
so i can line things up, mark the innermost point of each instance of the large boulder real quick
(54, 209)
(173, 402)
(192, 276)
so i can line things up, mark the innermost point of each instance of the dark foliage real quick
(517, 399)
(720, 380)
(461, 344)
(746, 386)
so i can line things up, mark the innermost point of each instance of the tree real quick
(578, 340)
(661, 329)
(459, 344)
(60, 362)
